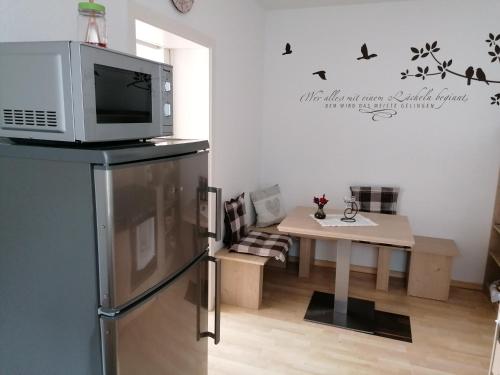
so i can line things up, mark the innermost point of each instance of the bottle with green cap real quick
(92, 23)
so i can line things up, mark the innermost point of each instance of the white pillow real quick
(268, 206)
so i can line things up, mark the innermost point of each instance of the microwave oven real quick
(74, 92)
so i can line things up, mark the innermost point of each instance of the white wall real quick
(235, 30)
(27, 20)
(445, 161)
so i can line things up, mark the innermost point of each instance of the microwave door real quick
(150, 222)
(121, 95)
(165, 333)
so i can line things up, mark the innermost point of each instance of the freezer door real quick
(151, 223)
(162, 335)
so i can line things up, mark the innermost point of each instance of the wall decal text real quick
(381, 107)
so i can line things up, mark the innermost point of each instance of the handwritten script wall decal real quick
(381, 107)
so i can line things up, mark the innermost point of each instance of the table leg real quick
(342, 276)
(306, 256)
(353, 313)
(383, 268)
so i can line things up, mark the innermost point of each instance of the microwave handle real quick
(218, 210)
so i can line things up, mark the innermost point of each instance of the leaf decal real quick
(495, 99)
(443, 67)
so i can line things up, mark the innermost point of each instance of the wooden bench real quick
(429, 274)
(242, 278)
(243, 274)
(273, 229)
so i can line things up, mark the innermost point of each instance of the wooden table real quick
(392, 230)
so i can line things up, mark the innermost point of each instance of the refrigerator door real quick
(151, 223)
(164, 333)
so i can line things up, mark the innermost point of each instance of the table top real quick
(392, 230)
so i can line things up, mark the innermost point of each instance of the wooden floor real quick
(448, 338)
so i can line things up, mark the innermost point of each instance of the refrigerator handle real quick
(216, 334)
(218, 210)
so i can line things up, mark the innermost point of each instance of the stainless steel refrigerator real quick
(104, 258)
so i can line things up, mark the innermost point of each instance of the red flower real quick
(321, 201)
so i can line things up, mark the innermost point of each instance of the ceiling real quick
(291, 4)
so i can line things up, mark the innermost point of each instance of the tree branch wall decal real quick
(443, 66)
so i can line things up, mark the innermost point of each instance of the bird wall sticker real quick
(321, 74)
(443, 66)
(288, 49)
(469, 73)
(481, 76)
(364, 53)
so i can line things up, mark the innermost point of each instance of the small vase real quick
(320, 214)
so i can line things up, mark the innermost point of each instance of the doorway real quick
(191, 77)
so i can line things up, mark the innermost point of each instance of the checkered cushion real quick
(264, 244)
(376, 199)
(234, 220)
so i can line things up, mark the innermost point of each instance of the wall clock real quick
(183, 6)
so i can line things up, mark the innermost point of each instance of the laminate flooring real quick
(453, 337)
